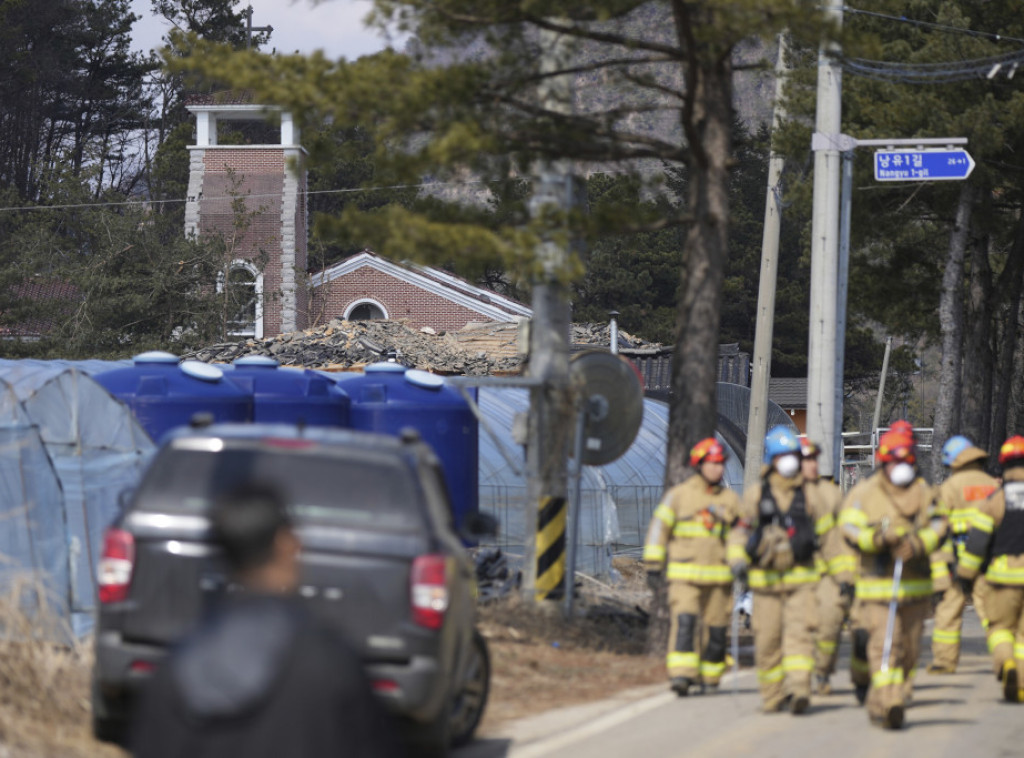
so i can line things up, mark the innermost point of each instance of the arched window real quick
(242, 288)
(365, 310)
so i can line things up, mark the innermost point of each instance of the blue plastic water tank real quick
(289, 395)
(389, 397)
(164, 393)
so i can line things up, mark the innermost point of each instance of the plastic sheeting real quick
(32, 537)
(69, 450)
(616, 500)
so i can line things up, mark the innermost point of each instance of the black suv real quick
(380, 560)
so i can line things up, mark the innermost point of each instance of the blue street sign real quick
(923, 165)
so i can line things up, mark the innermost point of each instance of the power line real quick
(271, 195)
(941, 72)
(936, 73)
(990, 36)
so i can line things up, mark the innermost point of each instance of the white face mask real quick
(787, 465)
(901, 474)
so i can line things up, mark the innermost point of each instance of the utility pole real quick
(757, 418)
(249, 28)
(551, 405)
(821, 349)
(846, 199)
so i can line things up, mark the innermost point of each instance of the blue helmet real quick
(779, 441)
(953, 447)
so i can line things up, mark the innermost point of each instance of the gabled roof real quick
(448, 286)
(789, 392)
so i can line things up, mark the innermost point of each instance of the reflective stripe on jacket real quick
(966, 488)
(911, 511)
(818, 511)
(995, 534)
(688, 532)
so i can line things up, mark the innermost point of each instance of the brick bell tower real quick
(266, 242)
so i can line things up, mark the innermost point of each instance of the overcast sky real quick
(334, 26)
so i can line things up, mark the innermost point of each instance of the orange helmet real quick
(902, 427)
(896, 446)
(708, 449)
(1012, 449)
(808, 449)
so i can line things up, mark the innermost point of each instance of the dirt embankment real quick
(542, 661)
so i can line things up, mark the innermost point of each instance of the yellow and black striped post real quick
(551, 522)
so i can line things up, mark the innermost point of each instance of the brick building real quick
(369, 286)
(254, 196)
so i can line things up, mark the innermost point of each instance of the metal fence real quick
(613, 521)
(859, 455)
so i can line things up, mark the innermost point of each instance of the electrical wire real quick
(936, 73)
(270, 195)
(990, 36)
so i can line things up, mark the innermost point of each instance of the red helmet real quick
(896, 446)
(1012, 449)
(808, 449)
(708, 449)
(902, 427)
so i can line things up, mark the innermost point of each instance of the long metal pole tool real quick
(890, 623)
(737, 596)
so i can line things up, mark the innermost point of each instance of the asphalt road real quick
(959, 715)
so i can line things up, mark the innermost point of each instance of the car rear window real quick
(359, 489)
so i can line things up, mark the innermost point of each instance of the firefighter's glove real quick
(739, 571)
(655, 579)
(775, 553)
(846, 590)
(886, 539)
(907, 548)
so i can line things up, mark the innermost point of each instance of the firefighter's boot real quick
(798, 704)
(681, 685)
(822, 686)
(893, 717)
(861, 691)
(1010, 678)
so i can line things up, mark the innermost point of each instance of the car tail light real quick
(142, 667)
(429, 593)
(385, 687)
(116, 565)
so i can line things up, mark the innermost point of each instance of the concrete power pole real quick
(551, 407)
(757, 419)
(821, 352)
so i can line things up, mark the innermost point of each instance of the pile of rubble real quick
(478, 350)
(350, 345)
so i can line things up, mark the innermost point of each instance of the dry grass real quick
(541, 661)
(44, 684)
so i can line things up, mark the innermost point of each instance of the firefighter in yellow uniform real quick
(778, 531)
(894, 525)
(688, 532)
(967, 486)
(997, 537)
(837, 566)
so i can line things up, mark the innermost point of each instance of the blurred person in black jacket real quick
(260, 676)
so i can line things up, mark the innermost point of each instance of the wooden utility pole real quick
(249, 28)
(757, 419)
(821, 348)
(551, 405)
